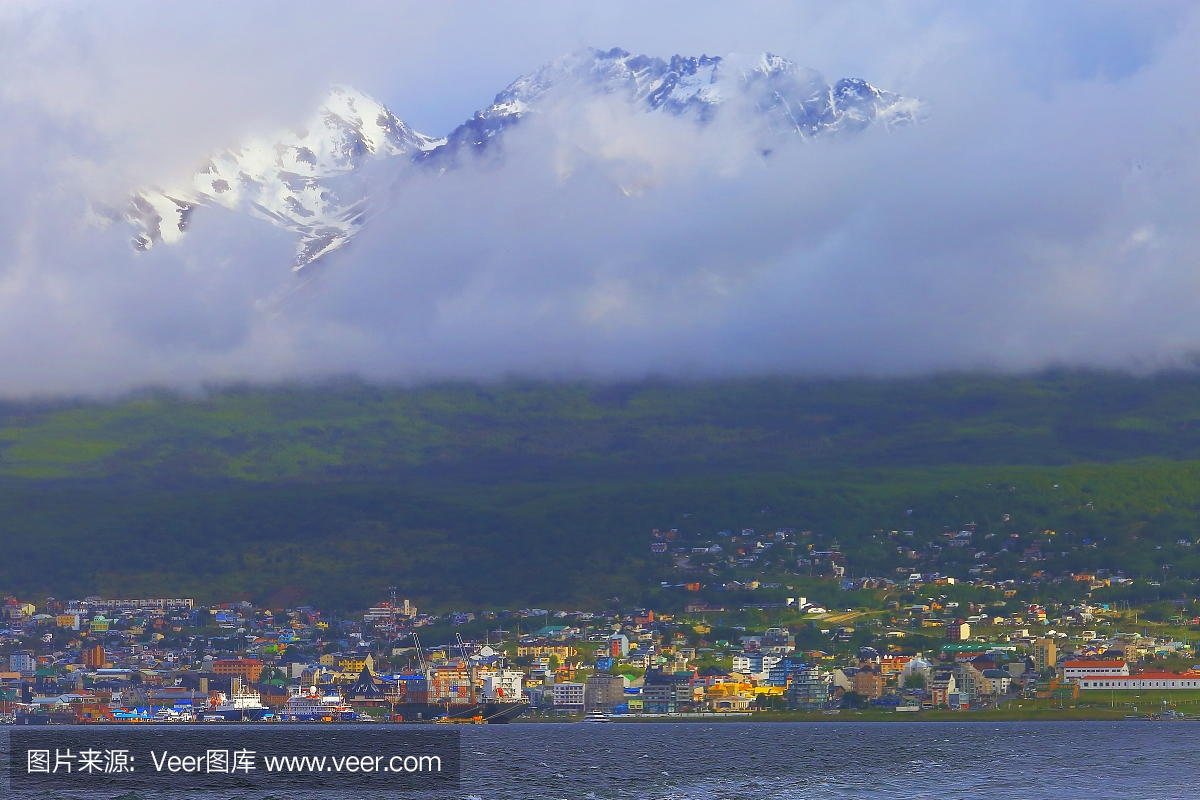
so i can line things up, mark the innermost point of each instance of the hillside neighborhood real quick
(171, 659)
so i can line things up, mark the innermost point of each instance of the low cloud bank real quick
(1046, 212)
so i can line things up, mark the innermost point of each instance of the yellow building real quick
(731, 696)
(355, 666)
(1045, 655)
(562, 651)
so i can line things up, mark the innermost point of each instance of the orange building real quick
(248, 668)
(890, 664)
(93, 657)
(868, 682)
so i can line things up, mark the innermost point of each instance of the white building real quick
(997, 681)
(1143, 680)
(153, 604)
(295, 669)
(748, 663)
(568, 696)
(22, 661)
(1074, 670)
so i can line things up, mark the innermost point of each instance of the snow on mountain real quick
(315, 181)
(785, 96)
(308, 181)
(800, 100)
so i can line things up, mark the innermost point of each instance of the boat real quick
(454, 692)
(26, 716)
(241, 705)
(171, 715)
(492, 713)
(596, 716)
(129, 715)
(459, 720)
(309, 704)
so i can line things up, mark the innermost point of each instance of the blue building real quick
(808, 690)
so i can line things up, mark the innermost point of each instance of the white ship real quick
(307, 704)
(242, 705)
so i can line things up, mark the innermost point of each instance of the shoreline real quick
(1034, 715)
(759, 718)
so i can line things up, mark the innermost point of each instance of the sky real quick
(1045, 213)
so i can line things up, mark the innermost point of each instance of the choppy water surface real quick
(730, 761)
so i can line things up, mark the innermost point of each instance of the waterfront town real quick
(920, 653)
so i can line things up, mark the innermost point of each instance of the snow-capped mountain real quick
(784, 96)
(309, 180)
(317, 182)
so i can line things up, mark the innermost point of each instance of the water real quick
(801, 761)
(731, 761)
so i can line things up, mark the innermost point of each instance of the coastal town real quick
(912, 652)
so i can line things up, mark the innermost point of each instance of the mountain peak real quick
(786, 97)
(315, 180)
(289, 179)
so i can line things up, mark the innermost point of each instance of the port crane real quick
(462, 648)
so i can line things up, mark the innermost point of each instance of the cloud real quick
(1045, 213)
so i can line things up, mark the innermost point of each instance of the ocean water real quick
(1127, 760)
(813, 761)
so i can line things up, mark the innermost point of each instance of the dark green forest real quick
(528, 493)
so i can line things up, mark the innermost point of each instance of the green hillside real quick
(545, 493)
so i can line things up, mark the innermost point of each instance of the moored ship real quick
(240, 705)
(476, 688)
(492, 713)
(308, 704)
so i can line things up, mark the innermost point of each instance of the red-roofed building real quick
(1074, 670)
